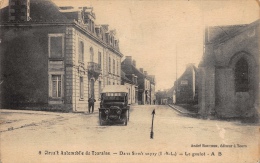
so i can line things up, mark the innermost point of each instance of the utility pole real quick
(176, 75)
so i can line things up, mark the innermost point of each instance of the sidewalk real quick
(15, 119)
(183, 110)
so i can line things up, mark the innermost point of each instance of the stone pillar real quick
(207, 83)
(206, 91)
(69, 69)
(201, 91)
(210, 91)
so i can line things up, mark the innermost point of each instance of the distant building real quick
(145, 81)
(131, 83)
(151, 78)
(55, 58)
(162, 97)
(186, 88)
(229, 71)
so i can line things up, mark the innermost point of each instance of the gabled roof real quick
(125, 78)
(217, 33)
(221, 33)
(188, 67)
(135, 70)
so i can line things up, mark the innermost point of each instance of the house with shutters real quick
(55, 58)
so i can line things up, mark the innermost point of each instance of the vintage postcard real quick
(129, 81)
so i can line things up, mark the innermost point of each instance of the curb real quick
(182, 112)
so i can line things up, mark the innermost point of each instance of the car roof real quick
(115, 88)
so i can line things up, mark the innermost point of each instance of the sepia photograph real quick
(129, 81)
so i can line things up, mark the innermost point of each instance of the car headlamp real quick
(107, 111)
(119, 111)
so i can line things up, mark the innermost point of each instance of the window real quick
(91, 55)
(81, 51)
(117, 69)
(99, 87)
(99, 59)
(184, 82)
(241, 76)
(109, 65)
(81, 85)
(113, 66)
(89, 24)
(56, 85)
(129, 94)
(102, 35)
(56, 45)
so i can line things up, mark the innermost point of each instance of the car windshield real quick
(114, 96)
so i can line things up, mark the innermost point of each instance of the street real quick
(35, 136)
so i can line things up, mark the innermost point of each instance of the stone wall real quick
(24, 65)
(217, 94)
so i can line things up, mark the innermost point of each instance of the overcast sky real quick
(150, 31)
(154, 31)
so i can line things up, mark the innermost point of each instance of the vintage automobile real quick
(114, 106)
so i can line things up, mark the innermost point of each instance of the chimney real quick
(145, 73)
(134, 63)
(142, 70)
(19, 10)
(128, 60)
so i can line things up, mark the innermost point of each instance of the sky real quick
(156, 33)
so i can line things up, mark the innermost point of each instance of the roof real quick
(44, 12)
(125, 78)
(217, 33)
(115, 88)
(40, 10)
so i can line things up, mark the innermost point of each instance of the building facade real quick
(151, 78)
(131, 83)
(144, 81)
(186, 87)
(55, 58)
(229, 71)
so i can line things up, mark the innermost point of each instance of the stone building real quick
(131, 83)
(151, 78)
(55, 58)
(144, 81)
(229, 71)
(186, 88)
(162, 97)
